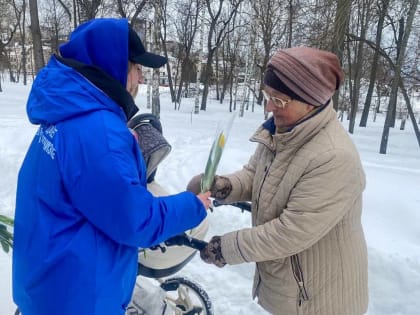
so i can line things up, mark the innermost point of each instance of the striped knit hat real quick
(311, 74)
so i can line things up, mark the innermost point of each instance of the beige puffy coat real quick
(307, 238)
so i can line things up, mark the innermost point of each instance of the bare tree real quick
(270, 29)
(186, 26)
(68, 12)
(56, 24)
(309, 23)
(404, 31)
(164, 21)
(230, 56)
(251, 73)
(130, 9)
(8, 27)
(364, 9)
(18, 45)
(382, 8)
(218, 29)
(71, 9)
(87, 9)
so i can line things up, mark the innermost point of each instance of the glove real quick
(220, 188)
(212, 253)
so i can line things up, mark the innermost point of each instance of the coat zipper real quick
(266, 169)
(298, 275)
(257, 205)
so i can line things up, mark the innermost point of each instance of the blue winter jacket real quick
(82, 207)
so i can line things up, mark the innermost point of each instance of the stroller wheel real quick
(185, 297)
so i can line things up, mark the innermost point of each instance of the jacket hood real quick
(102, 43)
(91, 74)
(59, 92)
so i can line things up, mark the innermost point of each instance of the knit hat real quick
(311, 74)
(274, 82)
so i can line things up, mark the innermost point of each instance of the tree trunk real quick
(350, 82)
(200, 58)
(366, 108)
(210, 52)
(397, 74)
(364, 21)
(341, 22)
(207, 81)
(88, 9)
(235, 93)
(225, 66)
(249, 69)
(217, 75)
(163, 7)
(410, 111)
(155, 93)
(74, 14)
(156, 72)
(21, 19)
(36, 36)
(392, 105)
(290, 22)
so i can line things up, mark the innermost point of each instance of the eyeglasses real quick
(276, 101)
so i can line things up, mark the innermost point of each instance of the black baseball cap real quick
(137, 53)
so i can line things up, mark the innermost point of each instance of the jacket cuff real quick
(230, 248)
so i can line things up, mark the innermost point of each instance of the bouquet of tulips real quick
(216, 151)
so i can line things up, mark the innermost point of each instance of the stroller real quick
(154, 292)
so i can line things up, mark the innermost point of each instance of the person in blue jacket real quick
(82, 206)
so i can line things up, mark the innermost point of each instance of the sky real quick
(391, 212)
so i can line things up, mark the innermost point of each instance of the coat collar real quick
(106, 83)
(300, 134)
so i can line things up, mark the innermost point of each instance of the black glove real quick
(212, 253)
(220, 188)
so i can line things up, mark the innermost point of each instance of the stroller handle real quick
(243, 205)
(184, 240)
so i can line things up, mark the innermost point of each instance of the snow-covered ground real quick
(391, 201)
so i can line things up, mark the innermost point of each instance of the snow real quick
(391, 200)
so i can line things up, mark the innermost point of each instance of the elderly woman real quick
(305, 182)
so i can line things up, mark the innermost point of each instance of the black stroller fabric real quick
(152, 143)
